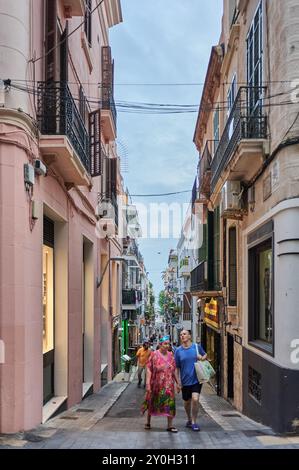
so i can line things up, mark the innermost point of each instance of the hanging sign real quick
(211, 313)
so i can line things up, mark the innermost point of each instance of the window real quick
(216, 128)
(88, 20)
(255, 57)
(260, 291)
(48, 298)
(82, 103)
(232, 266)
(231, 95)
(232, 13)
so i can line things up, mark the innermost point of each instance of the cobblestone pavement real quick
(111, 419)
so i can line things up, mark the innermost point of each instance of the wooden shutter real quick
(88, 20)
(63, 73)
(95, 143)
(50, 39)
(111, 177)
(232, 266)
(48, 232)
(107, 75)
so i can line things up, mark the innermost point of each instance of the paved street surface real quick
(111, 419)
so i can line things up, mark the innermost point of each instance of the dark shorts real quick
(189, 389)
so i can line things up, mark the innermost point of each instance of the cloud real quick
(162, 41)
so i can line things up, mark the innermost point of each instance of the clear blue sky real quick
(161, 41)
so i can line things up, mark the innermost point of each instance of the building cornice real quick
(212, 81)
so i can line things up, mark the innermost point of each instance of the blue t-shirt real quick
(184, 359)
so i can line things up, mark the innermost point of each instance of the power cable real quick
(161, 194)
(161, 108)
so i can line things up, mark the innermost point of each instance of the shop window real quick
(48, 299)
(260, 293)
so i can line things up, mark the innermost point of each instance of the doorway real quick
(230, 366)
(48, 310)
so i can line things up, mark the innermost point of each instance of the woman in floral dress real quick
(160, 393)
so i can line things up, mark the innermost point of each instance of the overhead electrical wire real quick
(266, 82)
(161, 194)
(164, 108)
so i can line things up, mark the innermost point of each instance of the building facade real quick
(60, 280)
(247, 135)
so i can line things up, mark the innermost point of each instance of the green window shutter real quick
(232, 266)
(216, 249)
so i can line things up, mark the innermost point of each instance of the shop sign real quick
(211, 313)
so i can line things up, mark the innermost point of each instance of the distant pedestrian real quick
(185, 357)
(160, 386)
(142, 355)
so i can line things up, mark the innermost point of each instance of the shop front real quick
(211, 339)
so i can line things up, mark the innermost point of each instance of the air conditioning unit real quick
(104, 209)
(231, 205)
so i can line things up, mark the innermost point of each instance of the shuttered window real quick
(88, 21)
(216, 248)
(50, 39)
(111, 173)
(48, 229)
(232, 266)
(95, 143)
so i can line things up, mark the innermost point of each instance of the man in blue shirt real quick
(185, 357)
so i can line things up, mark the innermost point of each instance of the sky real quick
(161, 41)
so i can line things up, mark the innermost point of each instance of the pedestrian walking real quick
(185, 357)
(142, 355)
(160, 386)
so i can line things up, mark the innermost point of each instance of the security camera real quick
(40, 168)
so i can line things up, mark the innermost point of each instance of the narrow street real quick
(90, 426)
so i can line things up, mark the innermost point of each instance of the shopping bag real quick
(204, 370)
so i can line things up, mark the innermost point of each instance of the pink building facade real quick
(58, 160)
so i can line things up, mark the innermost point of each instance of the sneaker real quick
(195, 427)
(189, 424)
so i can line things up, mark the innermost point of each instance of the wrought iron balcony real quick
(199, 278)
(203, 277)
(129, 297)
(108, 114)
(57, 114)
(204, 168)
(108, 102)
(246, 121)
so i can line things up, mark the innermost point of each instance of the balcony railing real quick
(204, 277)
(194, 192)
(199, 278)
(57, 114)
(108, 102)
(129, 297)
(204, 167)
(246, 121)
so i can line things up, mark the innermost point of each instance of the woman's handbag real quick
(204, 370)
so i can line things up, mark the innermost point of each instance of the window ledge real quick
(87, 51)
(262, 346)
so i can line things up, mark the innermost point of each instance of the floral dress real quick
(160, 400)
